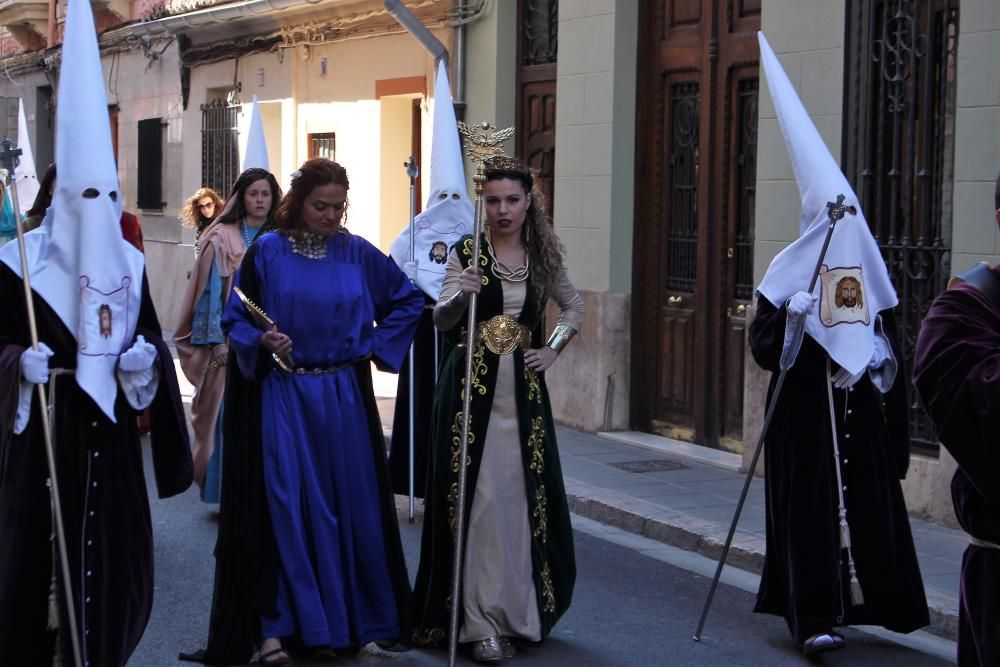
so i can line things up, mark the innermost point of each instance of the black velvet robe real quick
(103, 490)
(805, 576)
(957, 374)
(423, 382)
(246, 556)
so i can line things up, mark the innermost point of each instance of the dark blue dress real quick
(334, 586)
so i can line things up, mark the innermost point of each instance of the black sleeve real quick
(896, 403)
(171, 446)
(767, 334)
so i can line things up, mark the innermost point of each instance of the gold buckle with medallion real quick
(502, 334)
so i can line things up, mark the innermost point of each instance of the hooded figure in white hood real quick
(94, 320)
(25, 177)
(842, 416)
(446, 219)
(255, 153)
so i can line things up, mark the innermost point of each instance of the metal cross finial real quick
(412, 170)
(837, 210)
(9, 157)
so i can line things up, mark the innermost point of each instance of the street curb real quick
(677, 529)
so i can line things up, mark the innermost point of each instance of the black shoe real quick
(193, 656)
(392, 646)
(823, 643)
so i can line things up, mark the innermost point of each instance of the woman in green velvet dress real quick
(519, 568)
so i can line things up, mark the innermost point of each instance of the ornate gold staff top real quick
(482, 142)
(263, 321)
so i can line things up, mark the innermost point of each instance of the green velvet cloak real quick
(553, 563)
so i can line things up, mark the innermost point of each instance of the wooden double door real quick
(695, 190)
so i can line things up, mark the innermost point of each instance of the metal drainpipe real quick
(50, 38)
(419, 31)
(459, 94)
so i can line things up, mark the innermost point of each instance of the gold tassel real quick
(53, 621)
(53, 605)
(857, 597)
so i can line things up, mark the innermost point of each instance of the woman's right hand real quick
(471, 280)
(276, 342)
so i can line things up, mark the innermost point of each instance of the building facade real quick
(653, 135)
(672, 188)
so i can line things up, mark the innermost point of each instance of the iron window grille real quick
(150, 170)
(219, 145)
(899, 151)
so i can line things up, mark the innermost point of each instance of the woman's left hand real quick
(538, 359)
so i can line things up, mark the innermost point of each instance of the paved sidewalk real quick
(690, 505)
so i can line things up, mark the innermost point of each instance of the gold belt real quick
(502, 334)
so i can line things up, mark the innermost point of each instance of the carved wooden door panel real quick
(536, 122)
(694, 226)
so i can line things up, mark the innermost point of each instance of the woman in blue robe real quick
(326, 571)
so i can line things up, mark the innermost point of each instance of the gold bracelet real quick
(560, 337)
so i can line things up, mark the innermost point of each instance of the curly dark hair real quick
(244, 181)
(545, 250)
(312, 174)
(190, 214)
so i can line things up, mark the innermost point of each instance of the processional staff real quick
(9, 159)
(412, 170)
(481, 142)
(836, 213)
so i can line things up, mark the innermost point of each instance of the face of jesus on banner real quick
(842, 296)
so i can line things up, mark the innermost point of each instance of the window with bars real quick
(746, 186)
(219, 145)
(150, 158)
(682, 237)
(899, 150)
(323, 144)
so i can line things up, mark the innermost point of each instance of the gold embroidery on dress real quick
(479, 368)
(429, 637)
(536, 442)
(548, 591)
(452, 500)
(534, 386)
(541, 514)
(482, 259)
(456, 441)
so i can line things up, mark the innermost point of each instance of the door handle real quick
(741, 309)
(675, 300)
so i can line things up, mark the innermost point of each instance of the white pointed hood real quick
(448, 214)
(25, 177)
(255, 154)
(854, 285)
(78, 262)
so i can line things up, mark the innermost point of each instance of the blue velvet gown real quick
(334, 587)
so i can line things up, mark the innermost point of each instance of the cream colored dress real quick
(498, 594)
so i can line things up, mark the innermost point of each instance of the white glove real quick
(843, 379)
(797, 306)
(139, 357)
(35, 364)
(410, 269)
(881, 354)
(883, 367)
(800, 304)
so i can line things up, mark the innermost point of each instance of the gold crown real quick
(504, 163)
